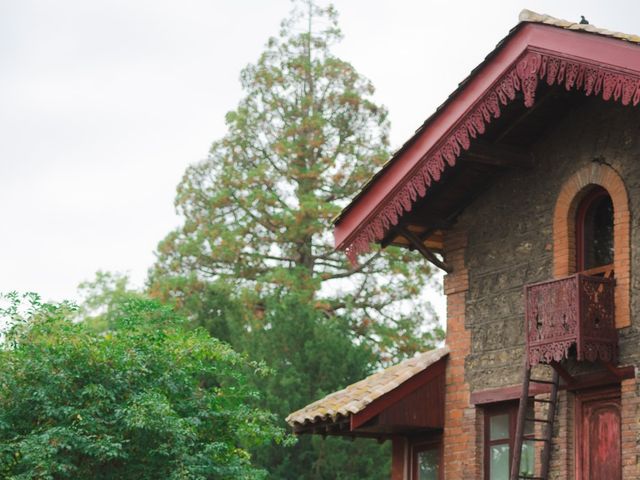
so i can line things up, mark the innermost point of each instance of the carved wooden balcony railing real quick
(576, 310)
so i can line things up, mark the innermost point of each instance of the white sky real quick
(104, 103)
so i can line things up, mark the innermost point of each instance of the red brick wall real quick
(460, 457)
(630, 429)
(562, 456)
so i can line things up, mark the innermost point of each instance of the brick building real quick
(525, 187)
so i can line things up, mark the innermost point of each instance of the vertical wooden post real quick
(522, 410)
(399, 458)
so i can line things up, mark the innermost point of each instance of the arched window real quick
(591, 226)
(594, 233)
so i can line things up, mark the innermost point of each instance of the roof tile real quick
(357, 396)
(533, 17)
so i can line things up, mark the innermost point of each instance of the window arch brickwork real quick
(564, 241)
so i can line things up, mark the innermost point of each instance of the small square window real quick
(500, 427)
(426, 459)
(428, 464)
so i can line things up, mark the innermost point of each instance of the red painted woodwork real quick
(580, 382)
(595, 194)
(594, 64)
(423, 445)
(422, 408)
(505, 408)
(398, 457)
(576, 310)
(414, 407)
(405, 455)
(494, 395)
(432, 379)
(598, 432)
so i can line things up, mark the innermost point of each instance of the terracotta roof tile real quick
(356, 397)
(533, 17)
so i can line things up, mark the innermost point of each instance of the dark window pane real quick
(529, 427)
(428, 464)
(598, 232)
(499, 462)
(499, 427)
(527, 459)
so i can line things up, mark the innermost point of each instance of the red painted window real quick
(499, 435)
(594, 233)
(426, 460)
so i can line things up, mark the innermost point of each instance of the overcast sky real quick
(104, 103)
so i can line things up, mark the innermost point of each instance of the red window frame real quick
(422, 445)
(510, 408)
(596, 193)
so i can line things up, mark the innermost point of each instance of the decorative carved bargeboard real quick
(576, 310)
(527, 72)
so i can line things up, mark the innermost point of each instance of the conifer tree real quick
(257, 213)
(255, 254)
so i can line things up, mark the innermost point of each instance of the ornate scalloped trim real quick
(557, 351)
(549, 352)
(531, 68)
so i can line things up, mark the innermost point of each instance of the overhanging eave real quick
(532, 55)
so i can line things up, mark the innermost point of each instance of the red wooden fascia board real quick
(503, 394)
(580, 382)
(597, 49)
(398, 393)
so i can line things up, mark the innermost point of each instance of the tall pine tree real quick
(255, 249)
(257, 212)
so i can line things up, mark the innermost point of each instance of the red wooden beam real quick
(503, 394)
(498, 155)
(564, 374)
(580, 382)
(616, 371)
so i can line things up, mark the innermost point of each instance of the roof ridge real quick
(534, 17)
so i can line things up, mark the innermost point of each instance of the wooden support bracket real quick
(564, 374)
(416, 243)
(498, 155)
(615, 371)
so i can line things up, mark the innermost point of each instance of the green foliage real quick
(102, 299)
(146, 399)
(312, 355)
(254, 262)
(215, 306)
(257, 213)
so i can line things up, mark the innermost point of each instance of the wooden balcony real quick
(576, 310)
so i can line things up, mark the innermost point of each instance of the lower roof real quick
(357, 397)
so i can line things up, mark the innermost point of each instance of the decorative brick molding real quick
(461, 454)
(630, 428)
(564, 227)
